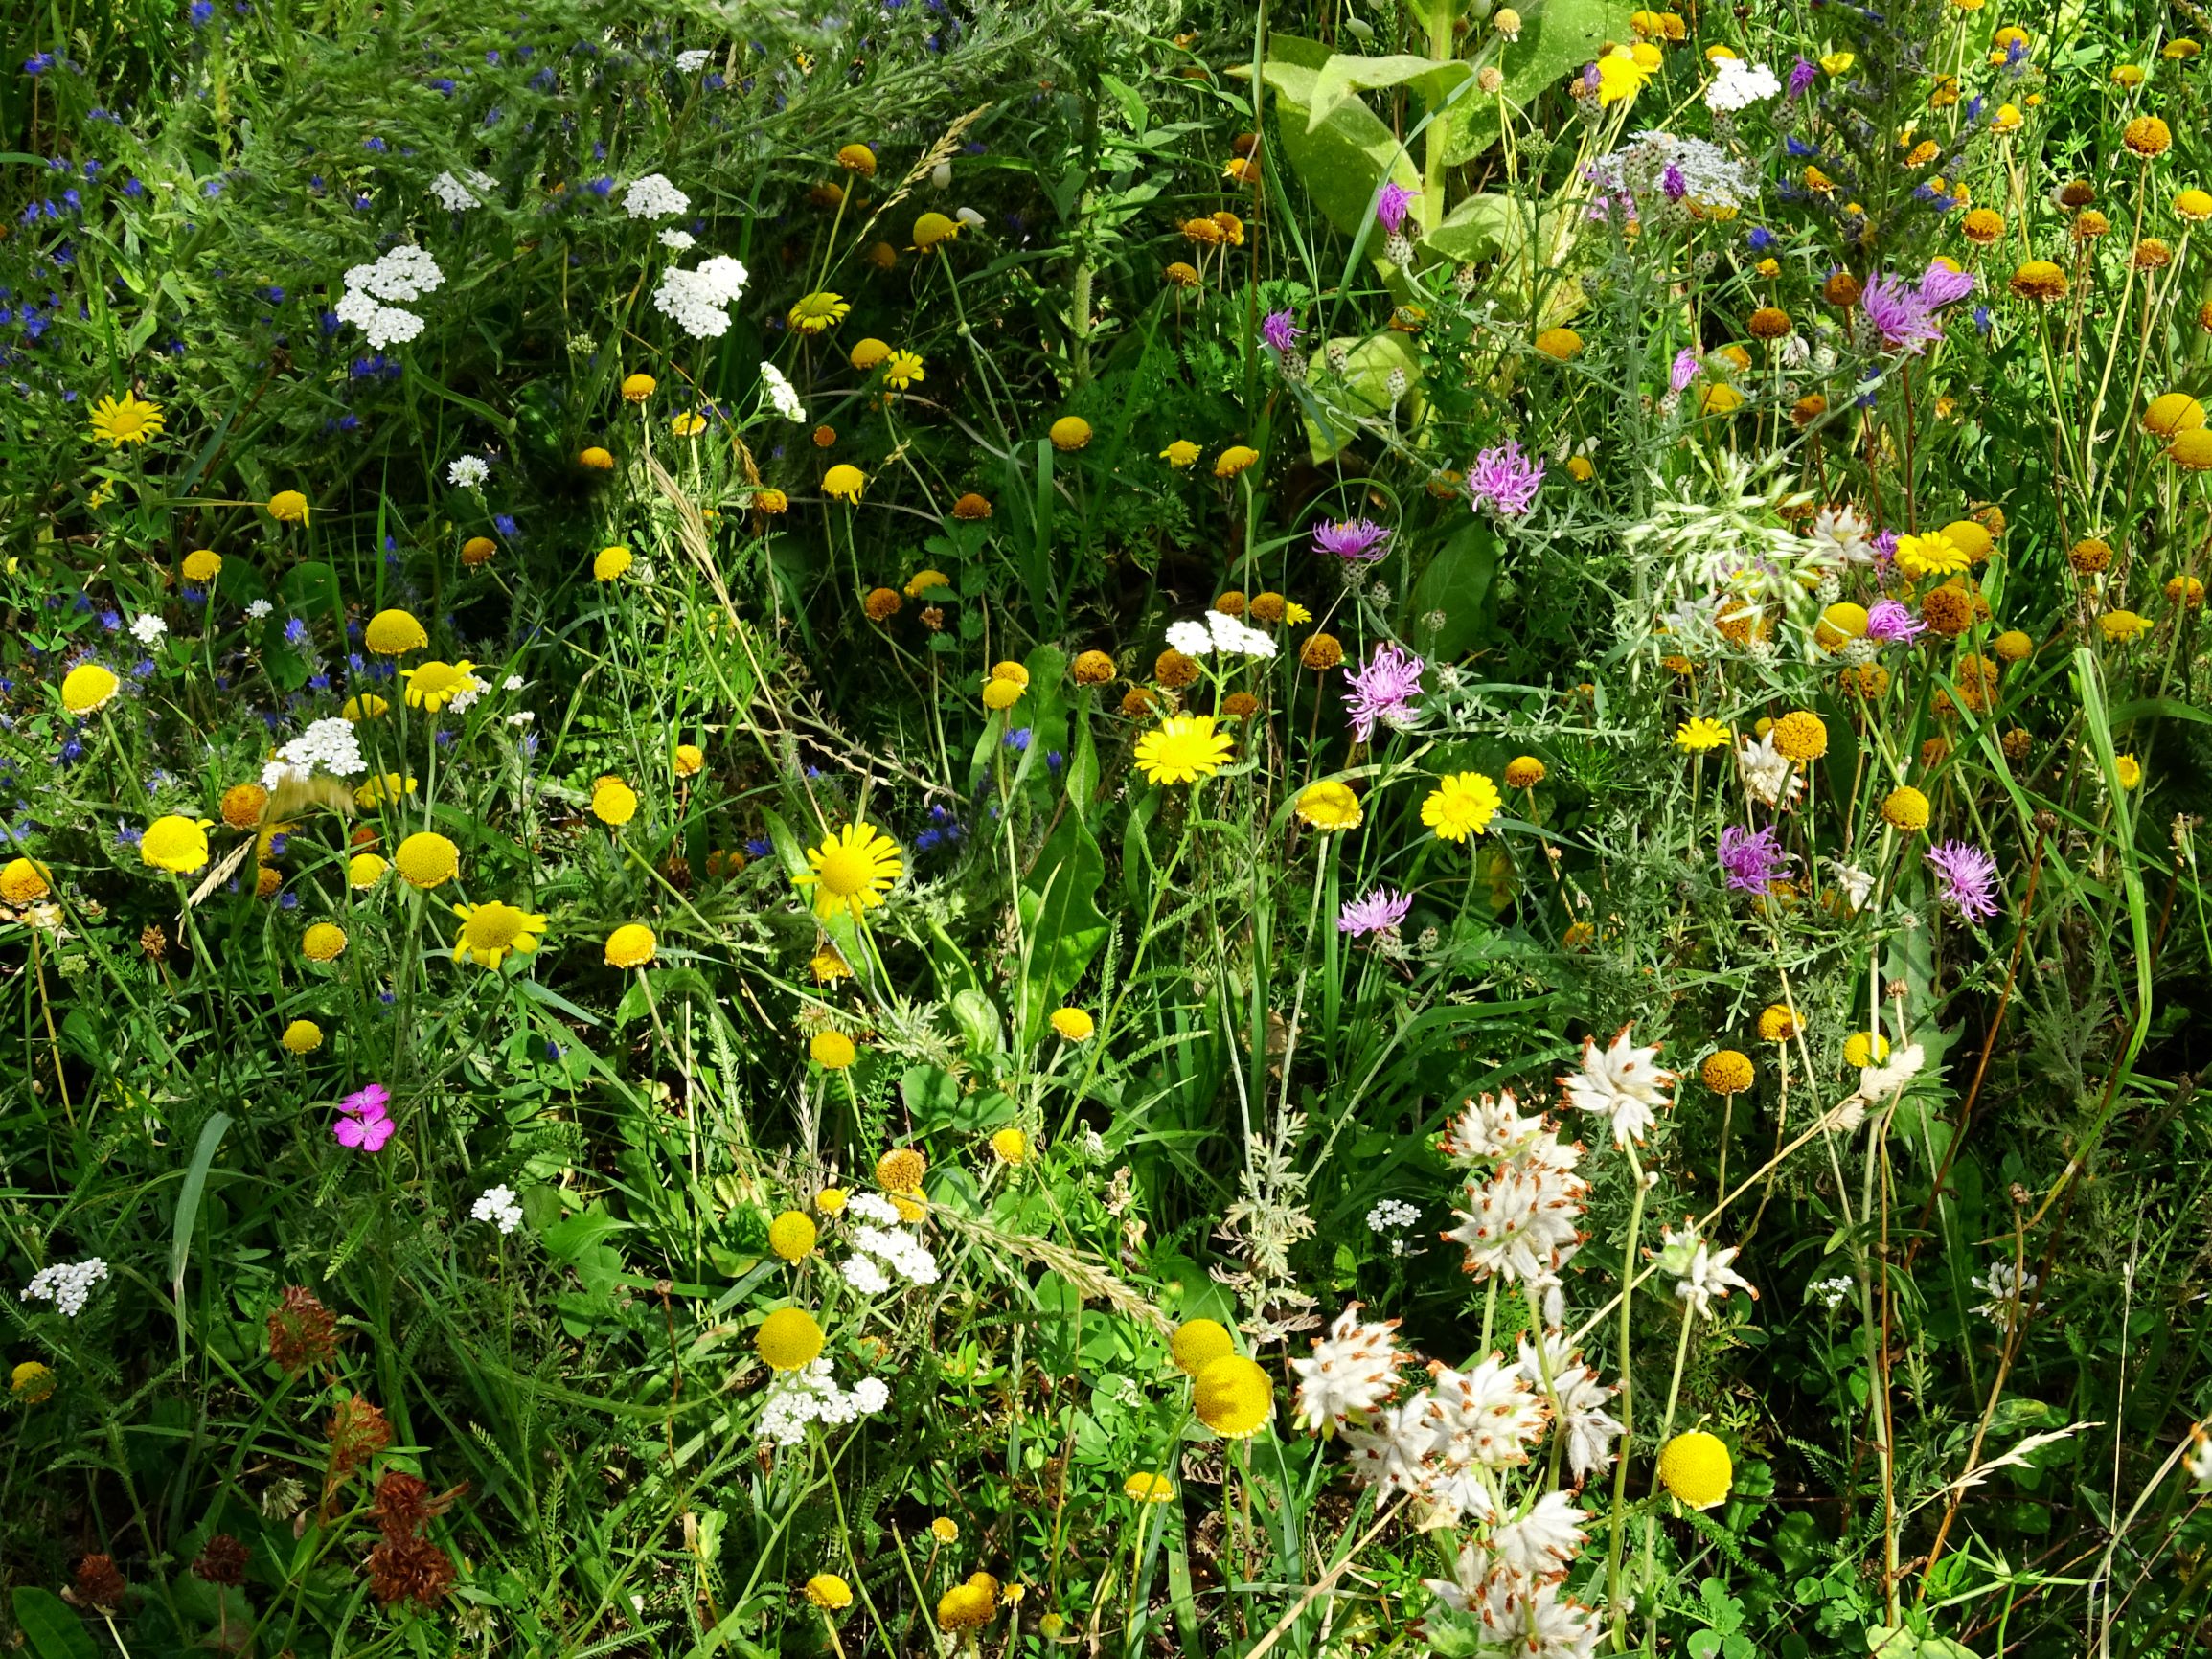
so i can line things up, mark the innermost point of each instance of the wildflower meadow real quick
(944, 828)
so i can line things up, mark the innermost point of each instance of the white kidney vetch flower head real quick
(1623, 1083)
(1393, 1448)
(1353, 1369)
(654, 197)
(1577, 1400)
(1702, 1274)
(700, 301)
(1490, 1127)
(1541, 1543)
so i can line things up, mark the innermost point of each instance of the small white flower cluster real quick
(465, 698)
(2009, 1290)
(1767, 773)
(468, 471)
(67, 1284)
(680, 241)
(2197, 1460)
(874, 1248)
(811, 1394)
(1221, 633)
(148, 630)
(653, 197)
(375, 294)
(700, 301)
(1523, 1197)
(782, 393)
(261, 610)
(498, 1206)
(694, 59)
(1708, 175)
(1391, 1214)
(1621, 1084)
(1706, 1273)
(331, 744)
(1739, 85)
(460, 195)
(1829, 1292)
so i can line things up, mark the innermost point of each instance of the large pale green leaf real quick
(1557, 38)
(1060, 920)
(1347, 72)
(1364, 388)
(1457, 583)
(1478, 227)
(1343, 158)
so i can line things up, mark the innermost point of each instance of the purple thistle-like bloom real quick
(1673, 185)
(1355, 538)
(1280, 329)
(1505, 480)
(1390, 203)
(1375, 913)
(1382, 693)
(1969, 879)
(1752, 859)
(1889, 623)
(1905, 314)
(1941, 285)
(1802, 74)
(1684, 370)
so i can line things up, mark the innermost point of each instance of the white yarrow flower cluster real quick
(700, 301)
(1391, 1215)
(67, 1284)
(875, 1249)
(694, 59)
(1219, 632)
(681, 241)
(375, 295)
(460, 195)
(331, 744)
(782, 392)
(1829, 1292)
(811, 1394)
(1621, 1084)
(468, 471)
(148, 628)
(1738, 85)
(1710, 176)
(653, 197)
(498, 1206)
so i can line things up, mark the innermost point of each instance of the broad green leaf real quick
(1346, 73)
(1478, 227)
(1060, 921)
(1343, 159)
(1557, 38)
(1364, 387)
(51, 1627)
(1457, 583)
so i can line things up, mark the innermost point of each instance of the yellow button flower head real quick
(363, 706)
(595, 458)
(637, 388)
(613, 802)
(1234, 460)
(933, 228)
(23, 882)
(202, 564)
(856, 158)
(791, 1236)
(945, 1530)
(788, 1339)
(868, 353)
(1560, 344)
(844, 482)
(1183, 749)
(827, 966)
(434, 684)
(1700, 735)
(130, 421)
(968, 1607)
(393, 633)
(426, 859)
(830, 1200)
(1777, 1023)
(828, 1592)
(364, 870)
(1329, 805)
(818, 312)
(611, 563)
(1009, 1145)
(901, 1170)
(1524, 772)
(1069, 432)
(1865, 1049)
(2173, 412)
(177, 845)
(1800, 736)
(1197, 1343)
(690, 759)
(2194, 205)
(30, 1382)
(999, 696)
(1149, 1489)
(478, 550)
(1695, 1470)
(903, 370)
(1727, 1072)
(87, 687)
(1073, 1024)
(324, 941)
(2040, 280)
(630, 946)
(303, 1037)
(2119, 627)
(1180, 453)
(1461, 804)
(922, 581)
(2192, 450)
(689, 424)
(1234, 1396)
(289, 507)
(490, 931)
(832, 1050)
(851, 870)
(1905, 809)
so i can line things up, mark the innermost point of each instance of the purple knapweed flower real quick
(1390, 204)
(1382, 693)
(1375, 912)
(1684, 369)
(1969, 878)
(1752, 859)
(1802, 75)
(1281, 330)
(1889, 623)
(1355, 538)
(1505, 481)
(1905, 314)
